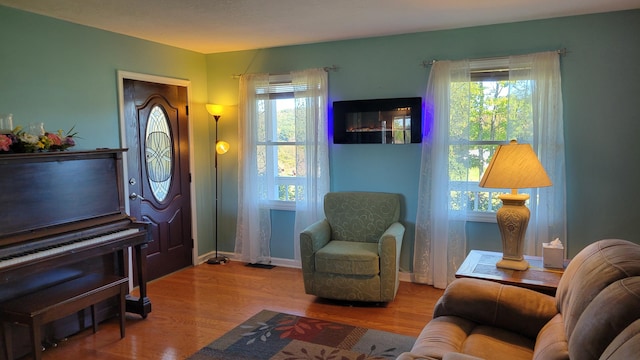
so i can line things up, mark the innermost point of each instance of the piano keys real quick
(72, 246)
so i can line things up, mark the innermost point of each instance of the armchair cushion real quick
(348, 258)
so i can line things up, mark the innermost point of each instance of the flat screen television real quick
(378, 121)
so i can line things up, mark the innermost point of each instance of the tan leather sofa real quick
(594, 315)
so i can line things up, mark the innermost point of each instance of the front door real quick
(156, 121)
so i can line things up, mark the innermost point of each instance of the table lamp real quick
(514, 166)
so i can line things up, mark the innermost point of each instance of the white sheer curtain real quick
(311, 96)
(310, 92)
(440, 240)
(253, 229)
(548, 214)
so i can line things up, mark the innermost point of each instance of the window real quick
(158, 154)
(487, 110)
(283, 155)
(281, 141)
(470, 105)
(277, 150)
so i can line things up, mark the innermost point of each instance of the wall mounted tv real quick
(378, 121)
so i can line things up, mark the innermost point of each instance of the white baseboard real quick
(290, 263)
(232, 256)
(405, 276)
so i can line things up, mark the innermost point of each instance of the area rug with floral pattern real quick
(271, 335)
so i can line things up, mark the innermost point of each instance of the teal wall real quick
(65, 75)
(601, 83)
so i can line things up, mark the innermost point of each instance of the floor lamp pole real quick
(218, 259)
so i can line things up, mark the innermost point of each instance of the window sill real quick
(477, 216)
(280, 205)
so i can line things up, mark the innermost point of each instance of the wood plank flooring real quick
(194, 306)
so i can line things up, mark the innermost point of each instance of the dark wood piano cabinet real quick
(63, 217)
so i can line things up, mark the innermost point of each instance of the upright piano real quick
(62, 216)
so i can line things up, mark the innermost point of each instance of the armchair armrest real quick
(389, 247)
(391, 238)
(509, 307)
(312, 239)
(395, 230)
(318, 233)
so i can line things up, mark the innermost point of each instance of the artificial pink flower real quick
(55, 139)
(5, 142)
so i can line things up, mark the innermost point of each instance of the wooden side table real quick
(481, 264)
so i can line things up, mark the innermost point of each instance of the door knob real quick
(134, 196)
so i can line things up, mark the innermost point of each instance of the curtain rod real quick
(325, 68)
(427, 63)
(331, 68)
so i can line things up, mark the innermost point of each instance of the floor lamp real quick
(221, 148)
(514, 166)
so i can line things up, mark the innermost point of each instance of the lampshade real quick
(222, 147)
(214, 109)
(515, 166)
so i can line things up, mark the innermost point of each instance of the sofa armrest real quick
(459, 356)
(412, 356)
(447, 356)
(509, 307)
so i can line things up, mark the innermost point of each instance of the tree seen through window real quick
(483, 114)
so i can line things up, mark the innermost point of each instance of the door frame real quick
(123, 142)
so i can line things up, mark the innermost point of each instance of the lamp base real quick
(218, 260)
(512, 219)
(513, 264)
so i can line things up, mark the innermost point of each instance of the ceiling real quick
(211, 26)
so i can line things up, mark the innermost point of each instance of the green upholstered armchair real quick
(354, 253)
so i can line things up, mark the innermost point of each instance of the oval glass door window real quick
(158, 154)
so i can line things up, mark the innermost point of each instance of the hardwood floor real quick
(194, 306)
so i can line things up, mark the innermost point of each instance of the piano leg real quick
(8, 340)
(142, 304)
(36, 335)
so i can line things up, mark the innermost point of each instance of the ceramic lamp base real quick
(513, 264)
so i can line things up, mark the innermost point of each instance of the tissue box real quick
(552, 257)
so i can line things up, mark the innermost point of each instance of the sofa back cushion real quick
(597, 296)
(609, 314)
(626, 345)
(360, 216)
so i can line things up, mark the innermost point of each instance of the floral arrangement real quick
(20, 141)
